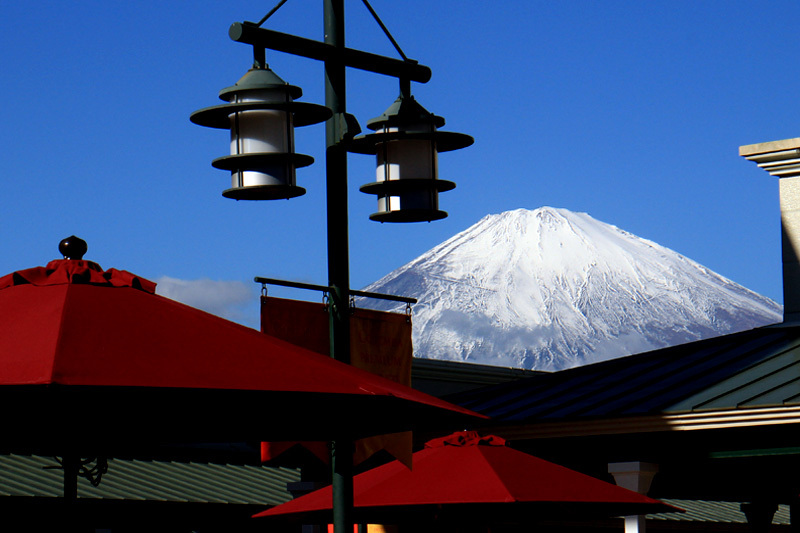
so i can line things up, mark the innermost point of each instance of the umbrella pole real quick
(342, 485)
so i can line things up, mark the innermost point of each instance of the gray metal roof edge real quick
(462, 371)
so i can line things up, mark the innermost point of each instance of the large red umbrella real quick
(472, 479)
(94, 359)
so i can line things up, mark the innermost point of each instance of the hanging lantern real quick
(406, 144)
(261, 114)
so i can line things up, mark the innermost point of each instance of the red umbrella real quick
(468, 478)
(93, 358)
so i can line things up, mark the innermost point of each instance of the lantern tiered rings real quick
(406, 144)
(261, 114)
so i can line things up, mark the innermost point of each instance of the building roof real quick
(756, 368)
(439, 378)
(715, 512)
(34, 476)
(164, 481)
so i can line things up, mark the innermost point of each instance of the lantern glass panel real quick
(272, 175)
(262, 131)
(417, 200)
(406, 159)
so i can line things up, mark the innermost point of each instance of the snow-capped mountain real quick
(550, 289)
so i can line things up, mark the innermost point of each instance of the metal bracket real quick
(347, 127)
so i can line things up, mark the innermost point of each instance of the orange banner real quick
(380, 342)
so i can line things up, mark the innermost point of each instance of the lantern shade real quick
(261, 115)
(406, 144)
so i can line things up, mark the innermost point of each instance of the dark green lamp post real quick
(261, 113)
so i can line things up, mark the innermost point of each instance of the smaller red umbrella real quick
(474, 479)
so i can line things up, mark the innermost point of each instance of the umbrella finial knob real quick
(73, 247)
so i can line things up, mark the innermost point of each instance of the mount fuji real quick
(549, 289)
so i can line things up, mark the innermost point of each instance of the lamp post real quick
(261, 112)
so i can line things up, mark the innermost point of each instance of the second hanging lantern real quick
(406, 144)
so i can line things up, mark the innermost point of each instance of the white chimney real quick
(635, 476)
(782, 159)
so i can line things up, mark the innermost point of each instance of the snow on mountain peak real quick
(549, 289)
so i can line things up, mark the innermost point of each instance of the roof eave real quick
(688, 421)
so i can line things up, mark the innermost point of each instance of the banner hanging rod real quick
(325, 288)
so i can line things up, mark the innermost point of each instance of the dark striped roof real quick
(232, 484)
(166, 481)
(715, 512)
(760, 367)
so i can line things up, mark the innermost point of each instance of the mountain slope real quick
(550, 289)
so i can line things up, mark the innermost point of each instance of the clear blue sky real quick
(630, 111)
